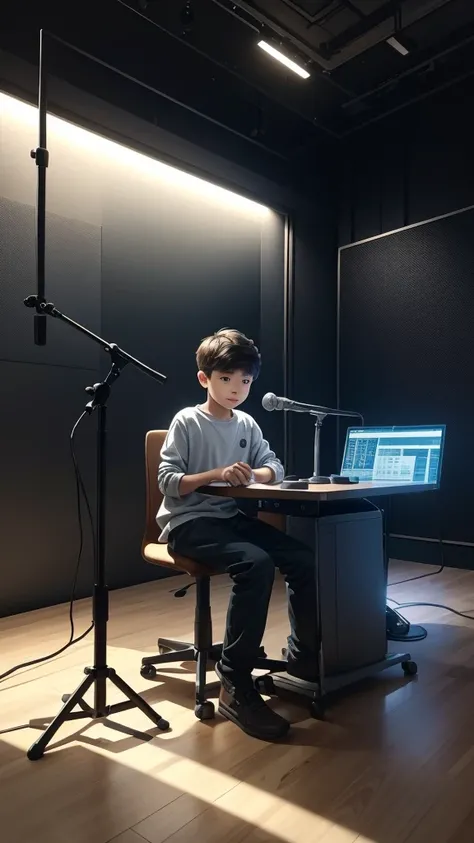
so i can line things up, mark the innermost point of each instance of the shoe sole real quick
(229, 715)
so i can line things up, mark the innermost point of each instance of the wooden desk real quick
(350, 576)
(331, 491)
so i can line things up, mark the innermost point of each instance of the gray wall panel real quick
(73, 284)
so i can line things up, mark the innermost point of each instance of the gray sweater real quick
(197, 442)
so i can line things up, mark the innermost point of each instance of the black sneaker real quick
(245, 707)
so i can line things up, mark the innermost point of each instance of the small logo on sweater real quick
(243, 443)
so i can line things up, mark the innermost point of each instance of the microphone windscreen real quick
(270, 401)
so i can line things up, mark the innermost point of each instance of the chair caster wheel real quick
(148, 671)
(205, 710)
(265, 685)
(65, 698)
(317, 709)
(163, 725)
(410, 668)
(34, 753)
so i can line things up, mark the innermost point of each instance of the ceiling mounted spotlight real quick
(279, 56)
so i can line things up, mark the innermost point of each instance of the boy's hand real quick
(238, 474)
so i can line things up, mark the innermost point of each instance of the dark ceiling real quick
(355, 74)
(204, 54)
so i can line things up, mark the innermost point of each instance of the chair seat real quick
(158, 554)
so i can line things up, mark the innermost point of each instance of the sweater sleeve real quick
(262, 456)
(174, 458)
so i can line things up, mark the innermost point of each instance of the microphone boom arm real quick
(329, 411)
(48, 309)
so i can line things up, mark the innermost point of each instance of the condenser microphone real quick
(271, 402)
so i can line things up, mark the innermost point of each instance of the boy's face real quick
(228, 389)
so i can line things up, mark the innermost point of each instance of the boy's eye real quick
(246, 381)
(225, 379)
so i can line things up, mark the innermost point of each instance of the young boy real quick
(217, 442)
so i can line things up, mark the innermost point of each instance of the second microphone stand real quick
(317, 478)
(319, 414)
(97, 675)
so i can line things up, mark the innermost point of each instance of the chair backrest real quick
(154, 441)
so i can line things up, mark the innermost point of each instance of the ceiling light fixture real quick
(394, 41)
(276, 54)
(398, 46)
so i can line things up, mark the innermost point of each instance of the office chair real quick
(202, 650)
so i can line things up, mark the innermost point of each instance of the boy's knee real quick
(258, 566)
(263, 566)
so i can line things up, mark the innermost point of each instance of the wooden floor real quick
(393, 763)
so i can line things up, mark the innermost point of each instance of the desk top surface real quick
(325, 492)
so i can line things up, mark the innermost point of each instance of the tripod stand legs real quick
(135, 701)
(36, 750)
(97, 677)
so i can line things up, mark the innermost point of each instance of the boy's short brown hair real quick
(228, 350)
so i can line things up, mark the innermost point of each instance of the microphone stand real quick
(272, 402)
(97, 675)
(320, 413)
(41, 157)
(317, 478)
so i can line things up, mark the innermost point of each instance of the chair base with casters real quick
(202, 651)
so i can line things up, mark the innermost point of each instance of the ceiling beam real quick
(362, 27)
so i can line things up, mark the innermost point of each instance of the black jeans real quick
(249, 550)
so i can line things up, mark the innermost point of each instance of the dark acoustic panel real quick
(407, 354)
(314, 336)
(38, 513)
(72, 282)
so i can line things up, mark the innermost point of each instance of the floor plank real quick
(393, 762)
(128, 836)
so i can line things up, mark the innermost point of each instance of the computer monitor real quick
(392, 454)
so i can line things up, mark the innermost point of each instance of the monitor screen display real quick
(405, 454)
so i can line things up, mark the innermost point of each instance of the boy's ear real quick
(203, 379)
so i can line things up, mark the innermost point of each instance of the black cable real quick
(441, 548)
(416, 603)
(419, 576)
(80, 487)
(434, 606)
